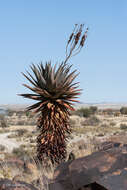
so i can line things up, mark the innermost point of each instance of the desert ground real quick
(18, 134)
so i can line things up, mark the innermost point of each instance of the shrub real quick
(18, 133)
(3, 122)
(21, 132)
(13, 135)
(104, 125)
(123, 110)
(100, 134)
(72, 121)
(92, 121)
(31, 122)
(112, 123)
(123, 126)
(2, 147)
(21, 152)
(85, 112)
(117, 114)
(21, 122)
(93, 109)
(10, 112)
(27, 113)
(108, 111)
(4, 130)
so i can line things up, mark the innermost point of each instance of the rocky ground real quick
(18, 141)
(86, 135)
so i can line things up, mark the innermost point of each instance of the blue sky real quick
(33, 31)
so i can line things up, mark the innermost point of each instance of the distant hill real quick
(3, 111)
(103, 105)
(15, 107)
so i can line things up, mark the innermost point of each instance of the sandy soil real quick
(17, 127)
(8, 143)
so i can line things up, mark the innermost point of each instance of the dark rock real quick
(114, 181)
(6, 184)
(12, 163)
(55, 186)
(92, 186)
(71, 156)
(43, 180)
(106, 168)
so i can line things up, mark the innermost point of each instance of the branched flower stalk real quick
(55, 90)
(76, 41)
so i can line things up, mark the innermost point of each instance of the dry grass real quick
(17, 127)
(34, 173)
(107, 127)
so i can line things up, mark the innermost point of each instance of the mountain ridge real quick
(100, 105)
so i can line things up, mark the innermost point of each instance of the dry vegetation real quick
(87, 135)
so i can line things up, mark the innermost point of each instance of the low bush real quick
(21, 132)
(18, 133)
(4, 130)
(123, 110)
(104, 125)
(123, 126)
(92, 121)
(100, 134)
(21, 123)
(2, 147)
(10, 112)
(93, 109)
(112, 124)
(21, 152)
(3, 122)
(84, 112)
(108, 111)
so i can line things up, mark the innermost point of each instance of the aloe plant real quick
(55, 91)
